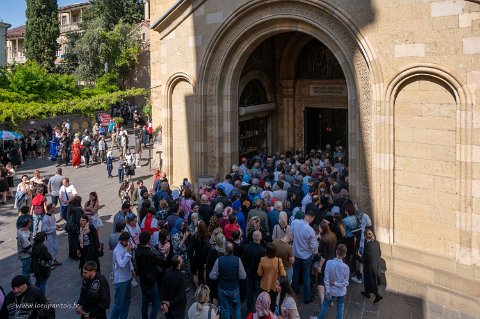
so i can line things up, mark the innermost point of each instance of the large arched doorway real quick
(220, 81)
(314, 113)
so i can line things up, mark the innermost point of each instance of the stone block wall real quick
(418, 119)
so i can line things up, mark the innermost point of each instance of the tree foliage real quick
(33, 83)
(42, 31)
(112, 12)
(30, 92)
(100, 51)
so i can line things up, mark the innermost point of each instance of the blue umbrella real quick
(7, 136)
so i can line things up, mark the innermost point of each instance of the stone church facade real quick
(233, 76)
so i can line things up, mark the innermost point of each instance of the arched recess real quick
(234, 42)
(463, 117)
(180, 128)
(260, 76)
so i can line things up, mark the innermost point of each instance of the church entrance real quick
(292, 96)
(325, 126)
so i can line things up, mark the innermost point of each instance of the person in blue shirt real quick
(336, 281)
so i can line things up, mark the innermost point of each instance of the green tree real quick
(42, 31)
(100, 51)
(112, 12)
(32, 82)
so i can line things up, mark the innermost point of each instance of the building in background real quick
(395, 82)
(69, 18)
(3, 43)
(15, 47)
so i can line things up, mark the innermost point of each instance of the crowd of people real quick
(277, 230)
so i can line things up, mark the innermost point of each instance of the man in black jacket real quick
(174, 296)
(149, 264)
(24, 301)
(94, 294)
(252, 254)
(41, 262)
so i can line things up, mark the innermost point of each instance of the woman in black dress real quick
(371, 266)
(75, 212)
(88, 243)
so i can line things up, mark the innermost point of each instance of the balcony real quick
(75, 26)
(20, 59)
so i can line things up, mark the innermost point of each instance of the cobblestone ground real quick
(64, 284)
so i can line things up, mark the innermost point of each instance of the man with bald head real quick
(252, 254)
(205, 210)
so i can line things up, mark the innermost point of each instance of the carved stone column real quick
(286, 106)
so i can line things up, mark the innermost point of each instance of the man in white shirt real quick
(336, 279)
(305, 244)
(66, 194)
(123, 272)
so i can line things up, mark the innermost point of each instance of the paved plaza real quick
(64, 284)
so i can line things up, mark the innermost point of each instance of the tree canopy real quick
(108, 43)
(42, 31)
(29, 91)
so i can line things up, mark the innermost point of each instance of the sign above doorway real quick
(331, 90)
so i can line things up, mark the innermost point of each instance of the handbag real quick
(213, 309)
(280, 278)
(100, 252)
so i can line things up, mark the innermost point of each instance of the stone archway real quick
(235, 41)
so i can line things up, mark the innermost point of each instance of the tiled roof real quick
(16, 32)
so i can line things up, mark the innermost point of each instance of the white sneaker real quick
(355, 279)
(134, 282)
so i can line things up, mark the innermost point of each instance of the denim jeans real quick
(36, 220)
(120, 175)
(64, 212)
(253, 288)
(326, 304)
(42, 285)
(150, 295)
(305, 265)
(229, 298)
(289, 274)
(54, 200)
(26, 268)
(121, 302)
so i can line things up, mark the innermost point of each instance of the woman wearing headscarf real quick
(282, 228)
(255, 224)
(262, 308)
(224, 220)
(179, 238)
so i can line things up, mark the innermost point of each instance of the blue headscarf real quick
(177, 228)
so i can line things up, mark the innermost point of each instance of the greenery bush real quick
(33, 93)
(118, 120)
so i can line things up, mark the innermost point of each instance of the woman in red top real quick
(76, 154)
(149, 222)
(231, 226)
(224, 220)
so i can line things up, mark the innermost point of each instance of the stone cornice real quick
(174, 16)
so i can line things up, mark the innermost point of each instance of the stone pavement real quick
(64, 284)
